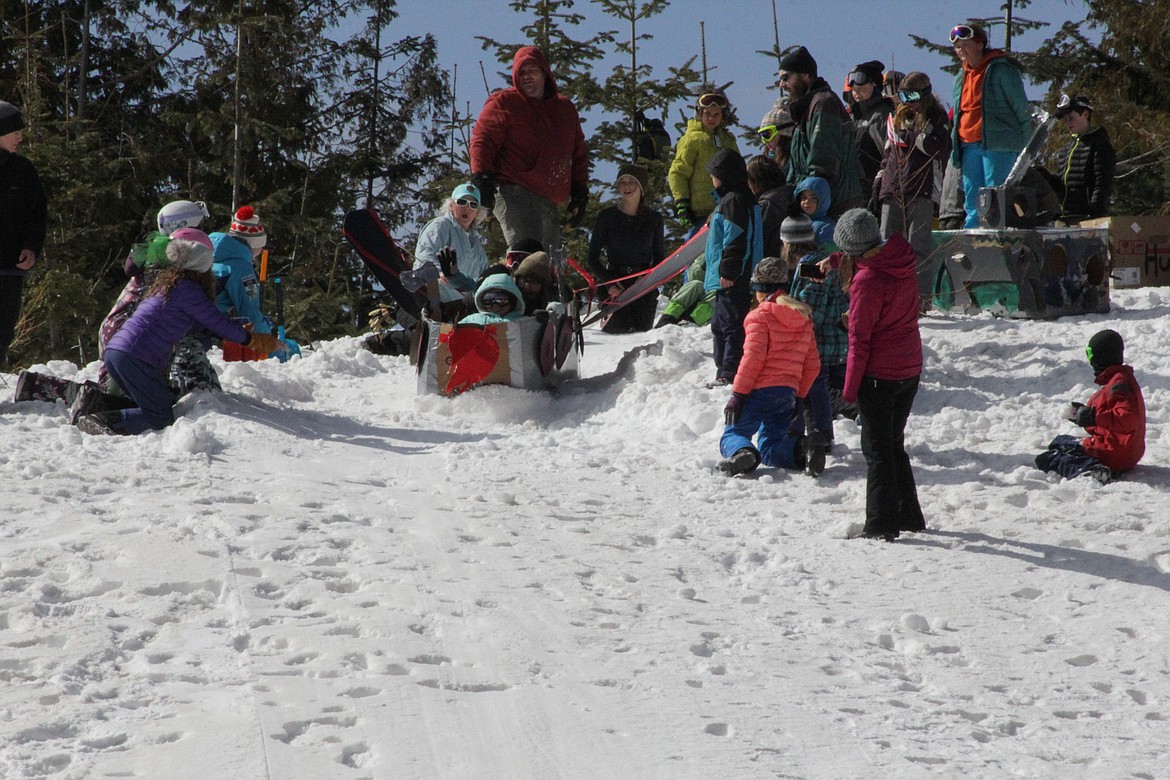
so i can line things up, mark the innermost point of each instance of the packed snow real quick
(321, 574)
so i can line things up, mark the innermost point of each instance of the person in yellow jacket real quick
(690, 184)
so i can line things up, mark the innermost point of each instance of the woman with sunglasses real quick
(917, 145)
(452, 242)
(690, 185)
(993, 118)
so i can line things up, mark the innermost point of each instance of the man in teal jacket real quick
(993, 119)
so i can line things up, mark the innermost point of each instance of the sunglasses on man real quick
(963, 32)
(470, 203)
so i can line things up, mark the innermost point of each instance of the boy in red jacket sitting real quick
(1114, 418)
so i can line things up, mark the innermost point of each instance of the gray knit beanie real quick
(11, 119)
(797, 230)
(857, 232)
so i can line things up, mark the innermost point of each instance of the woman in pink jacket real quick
(883, 367)
(779, 363)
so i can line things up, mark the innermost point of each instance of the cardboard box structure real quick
(1140, 249)
(1040, 273)
(517, 365)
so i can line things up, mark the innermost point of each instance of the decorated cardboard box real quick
(1040, 273)
(1140, 249)
(524, 353)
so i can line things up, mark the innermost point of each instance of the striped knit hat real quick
(247, 226)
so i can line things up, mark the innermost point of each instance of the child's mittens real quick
(733, 408)
(266, 344)
(1080, 414)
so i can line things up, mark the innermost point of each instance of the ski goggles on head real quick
(910, 95)
(470, 203)
(712, 100)
(496, 300)
(859, 77)
(963, 32)
(1068, 103)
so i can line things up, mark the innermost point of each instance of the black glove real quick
(486, 184)
(578, 200)
(1080, 414)
(683, 213)
(733, 408)
(448, 262)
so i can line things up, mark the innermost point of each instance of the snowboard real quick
(1031, 151)
(387, 260)
(672, 266)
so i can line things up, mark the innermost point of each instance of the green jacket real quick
(688, 177)
(824, 145)
(1007, 114)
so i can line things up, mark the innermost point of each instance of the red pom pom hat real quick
(247, 226)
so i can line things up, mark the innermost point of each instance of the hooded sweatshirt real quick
(735, 236)
(489, 317)
(823, 226)
(991, 107)
(884, 342)
(534, 143)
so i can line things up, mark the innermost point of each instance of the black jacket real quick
(1088, 175)
(23, 209)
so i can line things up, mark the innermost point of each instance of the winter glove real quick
(578, 200)
(1080, 414)
(382, 317)
(448, 262)
(733, 408)
(683, 213)
(486, 184)
(265, 344)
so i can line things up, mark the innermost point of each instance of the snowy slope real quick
(319, 574)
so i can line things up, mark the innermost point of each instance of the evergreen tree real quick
(1119, 58)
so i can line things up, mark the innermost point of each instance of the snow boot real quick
(31, 386)
(1099, 472)
(666, 319)
(98, 424)
(744, 460)
(815, 447)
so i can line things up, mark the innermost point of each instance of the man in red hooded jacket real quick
(1114, 419)
(528, 154)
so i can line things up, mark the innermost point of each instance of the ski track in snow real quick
(321, 574)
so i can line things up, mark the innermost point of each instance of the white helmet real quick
(180, 214)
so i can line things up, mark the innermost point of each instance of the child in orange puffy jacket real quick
(779, 364)
(1114, 419)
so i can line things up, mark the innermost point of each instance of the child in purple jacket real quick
(180, 300)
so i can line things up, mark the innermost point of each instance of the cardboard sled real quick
(1140, 248)
(516, 352)
(1031, 274)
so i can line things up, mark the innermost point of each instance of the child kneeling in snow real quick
(1114, 418)
(180, 300)
(779, 364)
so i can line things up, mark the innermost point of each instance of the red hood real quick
(988, 56)
(896, 258)
(533, 54)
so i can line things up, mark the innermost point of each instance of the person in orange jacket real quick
(779, 364)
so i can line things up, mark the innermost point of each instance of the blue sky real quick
(839, 34)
